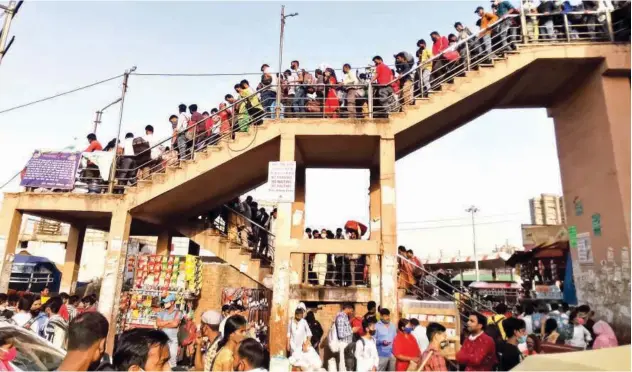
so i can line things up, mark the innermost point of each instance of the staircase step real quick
(487, 65)
(158, 177)
(143, 183)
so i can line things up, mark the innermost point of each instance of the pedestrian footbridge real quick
(584, 85)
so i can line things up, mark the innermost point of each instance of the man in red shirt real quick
(383, 91)
(94, 145)
(440, 43)
(478, 352)
(91, 172)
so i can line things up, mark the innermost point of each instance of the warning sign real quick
(282, 181)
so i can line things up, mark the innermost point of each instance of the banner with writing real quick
(53, 170)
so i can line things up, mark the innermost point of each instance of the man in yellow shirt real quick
(45, 295)
(424, 55)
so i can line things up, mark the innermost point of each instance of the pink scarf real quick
(605, 336)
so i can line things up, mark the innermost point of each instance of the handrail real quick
(183, 131)
(441, 280)
(248, 219)
(474, 35)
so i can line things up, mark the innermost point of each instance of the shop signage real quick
(282, 181)
(596, 224)
(53, 170)
(548, 292)
(572, 236)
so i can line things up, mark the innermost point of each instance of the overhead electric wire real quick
(10, 180)
(458, 218)
(460, 225)
(60, 94)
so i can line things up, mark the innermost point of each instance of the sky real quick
(497, 162)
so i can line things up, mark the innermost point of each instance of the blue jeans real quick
(268, 98)
(298, 104)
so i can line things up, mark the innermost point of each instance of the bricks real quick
(216, 277)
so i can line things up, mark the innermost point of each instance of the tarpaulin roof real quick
(485, 261)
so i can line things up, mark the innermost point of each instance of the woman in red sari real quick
(224, 116)
(332, 105)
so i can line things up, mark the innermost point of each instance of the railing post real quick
(523, 24)
(370, 99)
(306, 268)
(609, 25)
(567, 29)
(193, 141)
(467, 56)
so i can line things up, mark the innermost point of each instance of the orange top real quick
(486, 20)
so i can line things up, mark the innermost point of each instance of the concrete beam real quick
(105, 203)
(336, 246)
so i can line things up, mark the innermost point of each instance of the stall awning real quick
(485, 261)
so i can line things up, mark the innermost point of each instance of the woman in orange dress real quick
(332, 105)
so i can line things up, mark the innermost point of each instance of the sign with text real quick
(53, 170)
(548, 292)
(584, 249)
(282, 181)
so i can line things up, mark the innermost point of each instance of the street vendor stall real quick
(490, 293)
(151, 278)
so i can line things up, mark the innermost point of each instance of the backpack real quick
(493, 330)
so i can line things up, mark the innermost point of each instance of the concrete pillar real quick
(10, 222)
(388, 227)
(592, 127)
(112, 281)
(279, 316)
(163, 245)
(72, 262)
(298, 207)
(375, 231)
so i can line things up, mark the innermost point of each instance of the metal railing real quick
(242, 230)
(322, 269)
(365, 99)
(441, 289)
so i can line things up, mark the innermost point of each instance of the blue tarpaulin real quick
(570, 296)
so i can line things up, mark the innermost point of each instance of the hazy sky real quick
(497, 162)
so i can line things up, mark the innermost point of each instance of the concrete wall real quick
(592, 127)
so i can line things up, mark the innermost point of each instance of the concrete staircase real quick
(231, 251)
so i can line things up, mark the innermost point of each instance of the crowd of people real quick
(225, 341)
(339, 270)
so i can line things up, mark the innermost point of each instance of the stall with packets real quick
(153, 279)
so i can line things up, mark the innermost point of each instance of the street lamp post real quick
(97, 119)
(277, 109)
(472, 210)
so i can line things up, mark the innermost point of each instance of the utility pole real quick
(97, 119)
(9, 13)
(118, 133)
(473, 211)
(277, 109)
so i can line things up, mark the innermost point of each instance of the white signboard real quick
(282, 181)
(584, 249)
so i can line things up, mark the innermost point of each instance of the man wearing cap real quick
(168, 321)
(207, 341)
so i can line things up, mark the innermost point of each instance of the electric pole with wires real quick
(9, 13)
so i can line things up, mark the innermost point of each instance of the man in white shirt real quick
(156, 151)
(366, 356)
(350, 83)
(128, 145)
(419, 332)
(297, 331)
(183, 124)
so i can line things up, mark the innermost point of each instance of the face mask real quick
(408, 330)
(522, 339)
(372, 332)
(9, 355)
(581, 321)
(443, 344)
